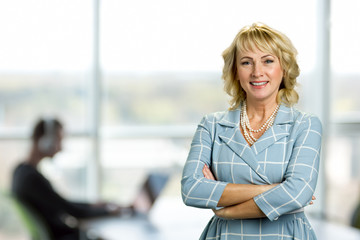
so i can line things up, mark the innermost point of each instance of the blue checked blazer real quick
(287, 153)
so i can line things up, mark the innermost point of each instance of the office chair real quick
(32, 221)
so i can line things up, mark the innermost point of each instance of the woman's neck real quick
(260, 111)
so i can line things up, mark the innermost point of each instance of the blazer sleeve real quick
(301, 175)
(196, 190)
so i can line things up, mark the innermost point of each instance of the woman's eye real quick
(245, 63)
(269, 61)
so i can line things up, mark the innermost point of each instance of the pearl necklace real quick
(248, 130)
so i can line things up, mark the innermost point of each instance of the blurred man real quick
(31, 188)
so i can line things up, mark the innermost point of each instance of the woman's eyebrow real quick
(267, 55)
(245, 57)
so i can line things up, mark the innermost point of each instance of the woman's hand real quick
(207, 173)
(245, 210)
(220, 212)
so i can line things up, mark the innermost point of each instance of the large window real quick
(343, 168)
(45, 70)
(161, 70)
(131, 80)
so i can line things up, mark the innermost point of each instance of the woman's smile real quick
(259, 84)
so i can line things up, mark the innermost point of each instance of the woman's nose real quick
(257, 70)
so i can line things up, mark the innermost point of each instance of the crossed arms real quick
(242, 201)
(237, 199)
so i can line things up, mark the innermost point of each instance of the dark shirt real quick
(33, 189)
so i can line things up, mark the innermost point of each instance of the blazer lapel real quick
(277, 131)
(234, 139)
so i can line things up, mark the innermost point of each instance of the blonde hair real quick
(262, 37)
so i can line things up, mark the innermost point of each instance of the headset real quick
(47, 143)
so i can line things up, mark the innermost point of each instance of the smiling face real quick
(260, 75)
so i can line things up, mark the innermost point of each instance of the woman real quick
(256, 165)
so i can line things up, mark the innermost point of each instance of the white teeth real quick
(258, 83)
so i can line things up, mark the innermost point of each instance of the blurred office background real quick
(131, 80)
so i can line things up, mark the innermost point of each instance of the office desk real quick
(170, 219)
(142, 228)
